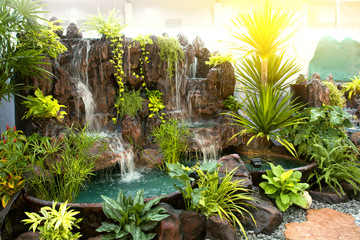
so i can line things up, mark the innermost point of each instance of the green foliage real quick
(65, 164)
(232, 104)
(337, 162)
(326, 122)
(144, 58)
(352, 87)
(171, 136)
(279, 71)
(260, 31)
(336, 97)
(109, 25)
(54, 224)
(266, 113)
(214, 195)
(43, 107)
(284, 187)
(219, 58)
(20, 52)
(171, 53)
(9, 185)
(131, 104)
(132, 218)
(156, 104)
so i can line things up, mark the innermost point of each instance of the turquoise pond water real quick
(154, 182)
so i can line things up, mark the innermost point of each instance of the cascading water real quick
(208, 147)
(82, 82)
(125, 159)
(193, 66)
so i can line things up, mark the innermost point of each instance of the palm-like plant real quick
(279, 71)
(263, 30)
(265, 113)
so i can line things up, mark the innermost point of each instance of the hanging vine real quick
(170, 52)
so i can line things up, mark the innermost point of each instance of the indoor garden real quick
(150, 136)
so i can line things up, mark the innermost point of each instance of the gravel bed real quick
(294, 214)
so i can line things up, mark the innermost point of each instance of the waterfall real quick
(193, 66)
(80, 75)
(208, 146)
(125, 159)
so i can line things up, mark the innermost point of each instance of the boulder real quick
(151, 158)
(29, 236)
(267, 216)
(132, 131)
(73, 31)
(219, 229)
(328, 195)
(181, 225)
(229, 163)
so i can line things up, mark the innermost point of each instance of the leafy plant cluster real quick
(171, 137)
(352, 87)
(325, 122)
(60, 166)
(336, 97)
(337, 162)
(214, 195)
(26, 39)
(42, 106)
(54, 224)
(131, 218)
(231, 103)
(131, 104)
(13, 160)
(144, 58)
(284, 187)
(156, 104)
(266, 113)
(170, 52)
(219, 58)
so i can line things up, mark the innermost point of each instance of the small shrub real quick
(132, 218)
(352, 87)
(43, 107)
(336, 97)
(171, 137)
(132, 102)
(170, 53)
(219, 58)
(53, 224)
(232, 104)
(284, 187)
(214, 195)
(156, 103)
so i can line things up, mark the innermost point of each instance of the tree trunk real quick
(264, 67)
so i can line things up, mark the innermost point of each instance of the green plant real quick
(352, 87)
(266, 113)
(144, 58)
(132, 218)
(337, 162)
(336, 97)
(171, 136)
(232, 104)
(284, 187)
(219, 58)
(326, 122)
(214, 195)
(131, 104)
(156, 104)
(263, 31)
(65, 164)
(54, 224)
(43, 107)
(9, 185)
(20, 54)
(279, 71)
(171, 53)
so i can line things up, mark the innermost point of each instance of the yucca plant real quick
(263, 30)
(267, 112)
(280, 70)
